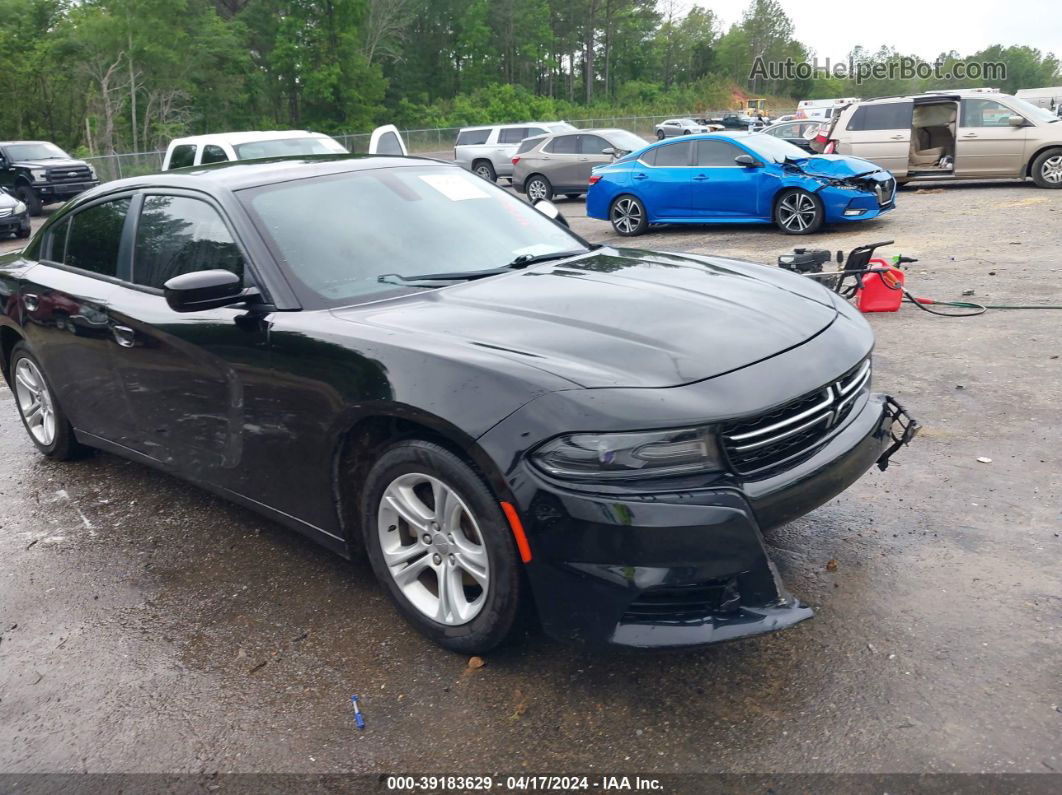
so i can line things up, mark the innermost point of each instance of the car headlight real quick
(619, 456)
(92, 171)
(19, 208)
(39, 174)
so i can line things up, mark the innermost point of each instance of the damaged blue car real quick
(738, 177)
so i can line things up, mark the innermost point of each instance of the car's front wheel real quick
(798, 212)
(628, 216)
(539, 189)
(660, 135)
(29, 197)
(441, 546)
(41, 413)
(1047, 169)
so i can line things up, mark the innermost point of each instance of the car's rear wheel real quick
(485, 169)
(1047, 169)
(628, 216)
(441, 546)
(29, 197)
(41, 414)
(538, 189)
(798, 212)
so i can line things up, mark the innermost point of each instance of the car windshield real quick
(35, 151)
(339, 234)
(774, 149)
(282, 147)
(686, 123)
(1032, 111)
(627, 141)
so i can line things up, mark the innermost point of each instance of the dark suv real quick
(40, 173)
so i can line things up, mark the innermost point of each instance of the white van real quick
(1050, 98)
(198, 150)
(821, 109)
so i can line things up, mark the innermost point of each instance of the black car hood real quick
(621, 317)
(61, 162)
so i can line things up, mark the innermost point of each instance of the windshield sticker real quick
(455, 187)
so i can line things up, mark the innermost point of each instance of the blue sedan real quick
(738, 177)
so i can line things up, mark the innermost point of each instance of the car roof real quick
(510, 124)
(240, 174)
(5, 143)
(246, 137)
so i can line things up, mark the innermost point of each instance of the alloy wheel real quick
(626, 215)
(797, 212)
(35, 402)
(483, 171)
(536, 190)
(1051, 170)
(433, 548)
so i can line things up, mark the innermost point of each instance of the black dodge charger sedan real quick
(389, 354)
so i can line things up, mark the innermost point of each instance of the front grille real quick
(764, 444)
(69, 174)
(683, 604)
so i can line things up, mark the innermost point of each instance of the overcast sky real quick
(919, 27)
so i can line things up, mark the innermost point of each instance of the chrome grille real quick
(69, 174)
(763, 444)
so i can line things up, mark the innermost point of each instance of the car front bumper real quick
(10, 224)
(58, 191)
(688, 568)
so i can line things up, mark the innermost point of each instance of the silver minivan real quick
(952, 135)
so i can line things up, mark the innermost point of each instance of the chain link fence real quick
(437, 141)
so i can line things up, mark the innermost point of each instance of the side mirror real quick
(609, 150)
(747, 160)
(549, 209)
(1016, 121)
(194, 292)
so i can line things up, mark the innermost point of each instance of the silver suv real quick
(488, 151)
(953, 135)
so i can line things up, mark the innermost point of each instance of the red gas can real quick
(880, 292)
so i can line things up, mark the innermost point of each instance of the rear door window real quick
(214, 154)
(95, 237)
(473, 137)
(512, 135)
(182, 156)
(888, 116)
(673, 155)
(564, 145)
(176, 235)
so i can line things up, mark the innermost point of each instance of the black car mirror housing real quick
(194, 292)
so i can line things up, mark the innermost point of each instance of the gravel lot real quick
(148, 627)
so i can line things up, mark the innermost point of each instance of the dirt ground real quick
(148, 627)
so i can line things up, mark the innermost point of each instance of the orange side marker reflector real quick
(518, 531)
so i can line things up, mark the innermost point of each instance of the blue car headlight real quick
(640, 454)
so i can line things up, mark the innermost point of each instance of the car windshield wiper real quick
(519, 262)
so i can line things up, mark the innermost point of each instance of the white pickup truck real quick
(488, 150)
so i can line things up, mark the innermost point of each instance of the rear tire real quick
(538, 189)
(29, 197)
(466, 585)
(797, 212)
(42, 416)
(485, 169)
(1047, 169)
(628, 216)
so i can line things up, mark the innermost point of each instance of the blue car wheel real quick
(628, 216)
(797, 212)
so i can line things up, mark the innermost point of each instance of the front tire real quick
(22, 234)
(1047, 169)
(660, 135)
(538, 189)
(440, 545)
(628, 216)
(798, 212)
(29, 197)
(485, 169)
(41, 414)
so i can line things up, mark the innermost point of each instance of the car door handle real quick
(30, 301)
(701, 178)
(124, 336)
(898, 137)
(970, 135)
(641, 176)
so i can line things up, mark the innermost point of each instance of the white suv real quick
(488, 151)
(220, 148)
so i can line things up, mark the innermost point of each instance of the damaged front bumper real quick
(690, 568)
